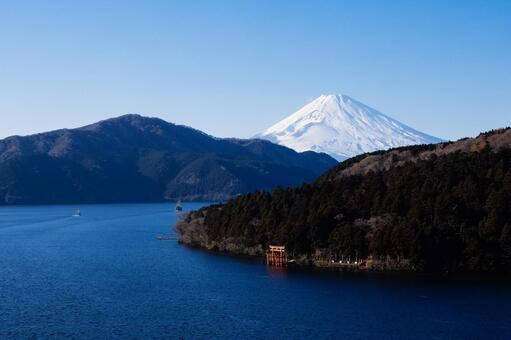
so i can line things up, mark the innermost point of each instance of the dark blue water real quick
(106, 275)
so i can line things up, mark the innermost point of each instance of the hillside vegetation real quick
(440, 207)
(138, 159)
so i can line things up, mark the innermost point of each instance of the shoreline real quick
(323, 267)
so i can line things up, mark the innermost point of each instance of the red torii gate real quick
(276, 256)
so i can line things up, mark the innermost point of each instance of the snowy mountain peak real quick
(342, 127)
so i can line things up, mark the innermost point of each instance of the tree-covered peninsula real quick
(444, 208)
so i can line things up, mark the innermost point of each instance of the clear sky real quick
(233, 68)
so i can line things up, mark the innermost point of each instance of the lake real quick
(105, 275)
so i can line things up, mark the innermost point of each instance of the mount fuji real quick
(342, 127)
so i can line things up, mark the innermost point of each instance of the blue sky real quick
(233, 68)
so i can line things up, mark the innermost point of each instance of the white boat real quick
(179, 207)
(77, 214)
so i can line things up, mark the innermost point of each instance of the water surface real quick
(106, 275)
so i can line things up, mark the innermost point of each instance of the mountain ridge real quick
(342, 127)
(132, 158)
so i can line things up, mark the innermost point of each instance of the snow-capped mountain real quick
(342, 127)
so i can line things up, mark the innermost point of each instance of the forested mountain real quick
(443, 207)
(137, 159)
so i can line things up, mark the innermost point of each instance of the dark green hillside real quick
(435, 208)
(139, 159)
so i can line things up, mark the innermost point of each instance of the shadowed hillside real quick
(137, 159)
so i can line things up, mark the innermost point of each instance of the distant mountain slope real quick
(444, 207)
(343, 128)
(385, 160)
(134, 158)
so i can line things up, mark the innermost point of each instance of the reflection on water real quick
(277, 273)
